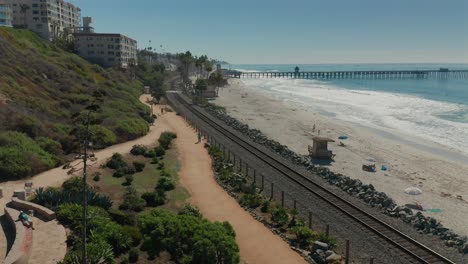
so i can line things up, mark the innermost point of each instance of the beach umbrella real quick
(371, 159)
(413, 191)
(343, 137)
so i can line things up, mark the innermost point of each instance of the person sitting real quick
(24, 218)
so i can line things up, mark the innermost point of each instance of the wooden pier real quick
(383, 75)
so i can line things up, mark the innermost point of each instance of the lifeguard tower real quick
(319, 149)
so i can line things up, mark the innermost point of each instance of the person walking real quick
(199, 135)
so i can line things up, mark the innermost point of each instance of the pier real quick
(382, 75)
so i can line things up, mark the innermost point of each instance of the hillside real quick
(41, 87)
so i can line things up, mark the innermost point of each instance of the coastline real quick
(410, 161)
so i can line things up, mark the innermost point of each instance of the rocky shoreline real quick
(365, 192)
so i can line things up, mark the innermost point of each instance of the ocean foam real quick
(405, 113)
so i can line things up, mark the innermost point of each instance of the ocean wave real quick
(432, 120)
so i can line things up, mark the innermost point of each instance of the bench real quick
(43, 212)
(20, 251)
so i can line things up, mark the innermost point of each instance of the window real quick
(110, 53)
(110, 46)
(90, 51)
(35, 12)
(110, 59)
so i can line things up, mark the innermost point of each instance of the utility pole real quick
(86, 143)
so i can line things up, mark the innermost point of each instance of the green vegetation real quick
(250, 197)
(166, 138)
(187, 238)
(42, 86)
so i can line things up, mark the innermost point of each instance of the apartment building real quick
(106, 49)
(47, 18)
(6, 14)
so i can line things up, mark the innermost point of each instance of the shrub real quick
(331, 241)
(102, 136)
(52, 198)
(128, 179)
(139, 166)
(165, 184)
(150, 154)
(304, 235)
(131, 201)
(20, 156)
(265, 206)
(154, 199)
(166, 138)
(74, 184)
(97, 176)
(122, 217)
(138, 150)
(129, 129)
(188, 238)
(188, 209)
(161, 166)
(51, 146)
(119, 173)
(133, 255)
(159, 151)
(134, 233)
(280, 216)
(116, 162)
(251, 200)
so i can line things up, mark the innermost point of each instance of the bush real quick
(119, 173)
(251, 200)
(129, 129)
(166, 138)
(20, 156)
(102, 136)
(154, 199)
(159, 151)
(188, 209)
(138, 150)
(304, 236)
(51, 146)
(134, 233)
(139, 166)
(161, 166)
(97, 176)
(150, 154)
(131, 201)
(122, 217)
(128, 179)
(265, 206)
(165, 184)
(133, 255)
(74, 184)
(51, 198)
(116, 162)
(280, 216)
(188, 238)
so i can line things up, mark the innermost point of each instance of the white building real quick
(6, 14)
(106, 49)
(45, 17)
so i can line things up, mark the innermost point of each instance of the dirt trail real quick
(257, 243)
(55, 249)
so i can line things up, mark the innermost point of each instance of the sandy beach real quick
(440, 173)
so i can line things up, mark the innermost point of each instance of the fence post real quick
(272, 188)
(247, 169)
(255, 176)
(371, 260)
(347, 252)
(240, 165)
(263, 182)
(295, 204)
(234, 159)
(327, 230)
(229, 155)
(282, 198)
(310, 219)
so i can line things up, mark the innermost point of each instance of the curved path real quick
(256, 242)
(51, 232)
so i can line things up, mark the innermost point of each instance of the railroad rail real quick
(417, 252)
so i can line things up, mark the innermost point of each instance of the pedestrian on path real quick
(199, 135)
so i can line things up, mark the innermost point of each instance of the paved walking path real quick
(256, 242)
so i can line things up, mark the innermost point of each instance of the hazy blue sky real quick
(293, 31)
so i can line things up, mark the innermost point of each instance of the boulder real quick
(334, 258)
(319, 245)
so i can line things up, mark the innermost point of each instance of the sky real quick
(292, 31)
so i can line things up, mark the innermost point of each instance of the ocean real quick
(430, 109)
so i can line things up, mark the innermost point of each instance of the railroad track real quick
(417, 252)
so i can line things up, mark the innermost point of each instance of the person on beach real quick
(162, 111)
(199, 135)
(24, 218)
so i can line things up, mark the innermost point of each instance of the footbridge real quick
(442, 73)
